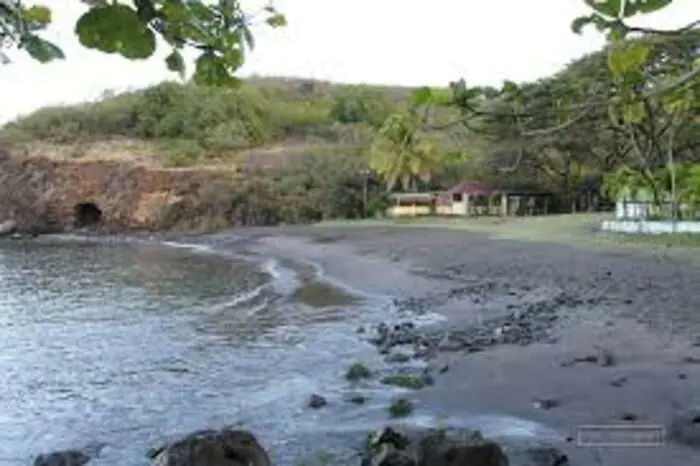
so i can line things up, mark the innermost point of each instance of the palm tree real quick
(399, 155)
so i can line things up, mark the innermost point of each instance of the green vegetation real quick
(358, 371)
(622, 118)
(406, 381)
(400, 407)
(220, 31)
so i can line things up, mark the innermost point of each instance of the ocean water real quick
(129, 345)
(132, 344)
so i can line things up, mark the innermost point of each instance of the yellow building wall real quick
(408, 210)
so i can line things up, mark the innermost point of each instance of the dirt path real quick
(622, 331)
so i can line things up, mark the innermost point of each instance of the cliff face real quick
(45, 195)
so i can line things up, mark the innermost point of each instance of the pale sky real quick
(375, 41)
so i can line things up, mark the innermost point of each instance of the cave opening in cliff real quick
(87, 214)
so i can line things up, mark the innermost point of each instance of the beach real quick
(638, 310)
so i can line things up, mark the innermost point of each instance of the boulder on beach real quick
(71, 457)
(389, 447)
(230, 446)
(62, 458)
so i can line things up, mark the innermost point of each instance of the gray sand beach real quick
(639, 310)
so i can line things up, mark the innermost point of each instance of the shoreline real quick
(468, 278)
(654, 367)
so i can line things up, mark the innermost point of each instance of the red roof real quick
(472, 188)
(468, 187)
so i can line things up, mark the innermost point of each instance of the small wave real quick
(194, 247)
(239, 299)
(285, 279)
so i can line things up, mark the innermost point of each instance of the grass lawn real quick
(576, 229)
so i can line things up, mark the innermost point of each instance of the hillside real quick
(265, 123)
(181, 156)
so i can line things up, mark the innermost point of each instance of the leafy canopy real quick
(220, 31)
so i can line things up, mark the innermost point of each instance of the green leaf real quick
(611, 8)
(41, 50)
(201, 11)
(145, 10)
(37, 13)
(581, 22)
(233, 58)
(116, 29)
(421, 96)
(277, 20)
(634, 113)
(211, 70)
(645, 6)
(617, 33)
(625, 58)
(175, 62)
(248, 37)
(510, 87)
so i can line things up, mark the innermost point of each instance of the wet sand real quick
(643, 310)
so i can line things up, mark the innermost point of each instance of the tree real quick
(357, 104)
(399, 154)
(401, 151)
(220, 32)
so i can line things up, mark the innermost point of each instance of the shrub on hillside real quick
(218, 119)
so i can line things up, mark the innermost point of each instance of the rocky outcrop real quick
(43, 195)
(229, 446)
(73, 457)
(388, 447)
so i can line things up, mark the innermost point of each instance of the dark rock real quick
(358, 371)
(685, 428)
(546, 403)
(444, 368)
(606, 358)
(357, 398)
(618, 382)
(62, 458)
(545, 456)
(70, 457)
(433, 448)
(682, 376)
(451, 346)
(229, 446)
(317, 401)
(602, 357)
(627, 416)
(387, 435)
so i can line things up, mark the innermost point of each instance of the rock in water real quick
(229, 446)
(387, 447)
(317, 401)
(62, 458)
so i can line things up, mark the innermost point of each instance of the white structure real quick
(632, 215)
(650, 227)
(637, 207)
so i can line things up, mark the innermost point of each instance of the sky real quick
(374, 41)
